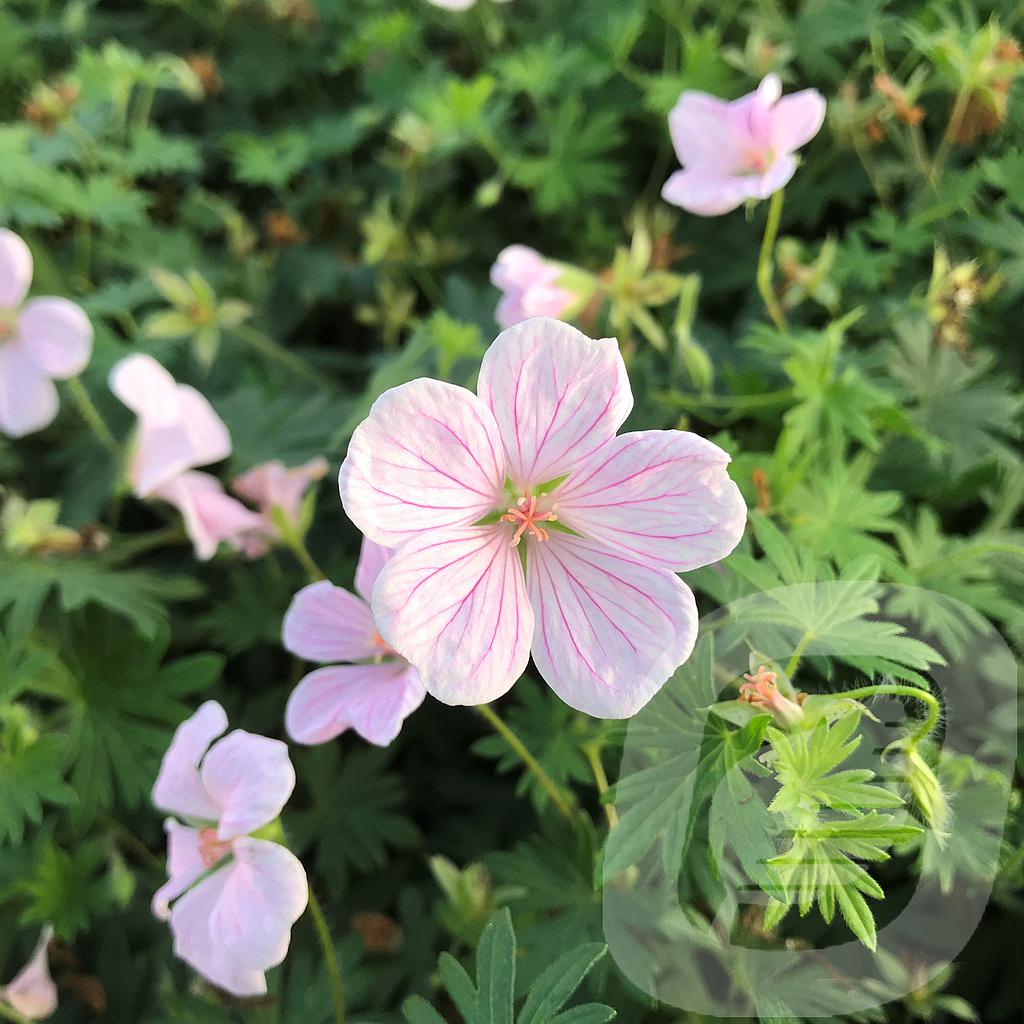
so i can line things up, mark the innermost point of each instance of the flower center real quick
(757, 161)
(528, 517)
(211, 849)
(8, 321)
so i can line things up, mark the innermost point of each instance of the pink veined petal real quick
(32, 993)
(556, 394)
(662, 497)
(147, 389)
(372, 558)
(710, 194)
(57, 335)
(196, 944)
(427, 456)
(250, 778)
(15, 269)
(210, 515)
(699, 127)
(453, 603)
(178, 786)
(796, 119)
(28, 399)
(326, 623)
(610, 631)
(373, 700)
(184, 866)
(264, 893)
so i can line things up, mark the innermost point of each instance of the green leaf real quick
(31, 774)
(496, 970)
(552, 989)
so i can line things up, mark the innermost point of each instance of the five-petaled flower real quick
(32, 992)
(732, 152)
(530, 287)
(530, 475)
(231, 898)
(42, 340)
(373, 694)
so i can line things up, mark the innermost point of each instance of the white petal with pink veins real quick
(610, 631)
(556, 394)
(697, 125)
(265, 891)
(15, 269)
(427, 456)
(196, 944)
(57, 335)
(146, 388)
(178, 786)
(28, 399)
(250, 777)
(453, 603)
(327, 623)
(372, 699)
(663, 497)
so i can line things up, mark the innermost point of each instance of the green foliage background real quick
(332, 180)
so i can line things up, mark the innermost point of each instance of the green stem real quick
(135, 546)
(545, 780)
(128, 841)
(593, 755)
(323, 932)
(92, 416)
(956, 116)
(766, 260)
(269, 348)
(898, 690)
(794, 661)
(297, 546)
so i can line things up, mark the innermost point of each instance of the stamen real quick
(525, 514)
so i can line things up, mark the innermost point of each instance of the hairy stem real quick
(766, 259)
(545, 780)
(900, 690)
(323, 933)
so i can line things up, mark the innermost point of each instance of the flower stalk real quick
(323, 933)
(766, 259)
(545, 780)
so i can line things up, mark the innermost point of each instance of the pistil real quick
(211, 849)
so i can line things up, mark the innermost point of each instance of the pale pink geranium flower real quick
(231, 899)
(32, 993)
(463, 486)
(277, 491)
(732, 152)
(178, 428)
(376, 691)
(458, 5)
(529, 284)
(42, 340)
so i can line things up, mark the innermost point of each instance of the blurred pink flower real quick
(732, 152)
(212, 516)
(463, 486)
(178, 429)
(42, 340)
(528, 283)
(273, 486)
(373, 696)
(231, 899)
(32, 993)
(458, 5)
